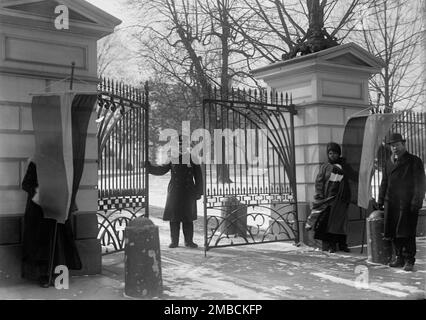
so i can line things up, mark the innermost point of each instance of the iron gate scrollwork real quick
(122, 119)
(250, 187)
(412, 126)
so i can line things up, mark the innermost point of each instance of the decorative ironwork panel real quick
(120, 203)
(111, 225)
(250, 183)
(122, 151)
(240, 225)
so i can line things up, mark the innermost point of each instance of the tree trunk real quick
(223, 168)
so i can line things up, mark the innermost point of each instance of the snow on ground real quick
(393, 289)
(279, 270)
(204, 280)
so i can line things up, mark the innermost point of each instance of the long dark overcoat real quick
(185, 187)
(38, 236)
(402, 191)
(332, 197)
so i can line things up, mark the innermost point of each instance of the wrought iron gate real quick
(250, 188)
(412, 126)
(122, 150)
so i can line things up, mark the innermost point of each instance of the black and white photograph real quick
(211, 156)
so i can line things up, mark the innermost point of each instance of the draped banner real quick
(60, 128)
(361, 140)
(376, 128)
(353, 138)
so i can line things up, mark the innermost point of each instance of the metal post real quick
(293, 156)
(204, 184)
(72, 75)
(363, 229)
(146, 148)
(52, 253)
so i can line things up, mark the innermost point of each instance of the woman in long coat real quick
(38, 238)
(184, 189)
(332, 197)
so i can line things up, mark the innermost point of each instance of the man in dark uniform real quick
(401, 194)
(185, 188)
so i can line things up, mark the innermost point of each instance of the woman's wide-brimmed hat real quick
(395, 137)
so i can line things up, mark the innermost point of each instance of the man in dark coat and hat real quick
(401, 194)
(185, 188)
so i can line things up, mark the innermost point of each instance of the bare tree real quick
(193, 43)
(204, 43)
(109, 52)
(198, 44)
(392, 30)
(275, 26)
(116, 59)
(424, 55)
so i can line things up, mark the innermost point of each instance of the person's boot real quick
(191, 245)
(325, 246)
(397, 263)
(408, 266)
(174, 234)
(344, 247)
(44, 282)
(188, 233)
(175, 241)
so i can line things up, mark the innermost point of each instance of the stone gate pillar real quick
(35, 56)
(327, 88)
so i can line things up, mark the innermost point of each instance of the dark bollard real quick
(379, 250)
(142, 259)
(235, 217)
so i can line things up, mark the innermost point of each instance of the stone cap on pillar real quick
(336, 76)
(35, 42)
(350, 56)
(85, 18)
(140, 222)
